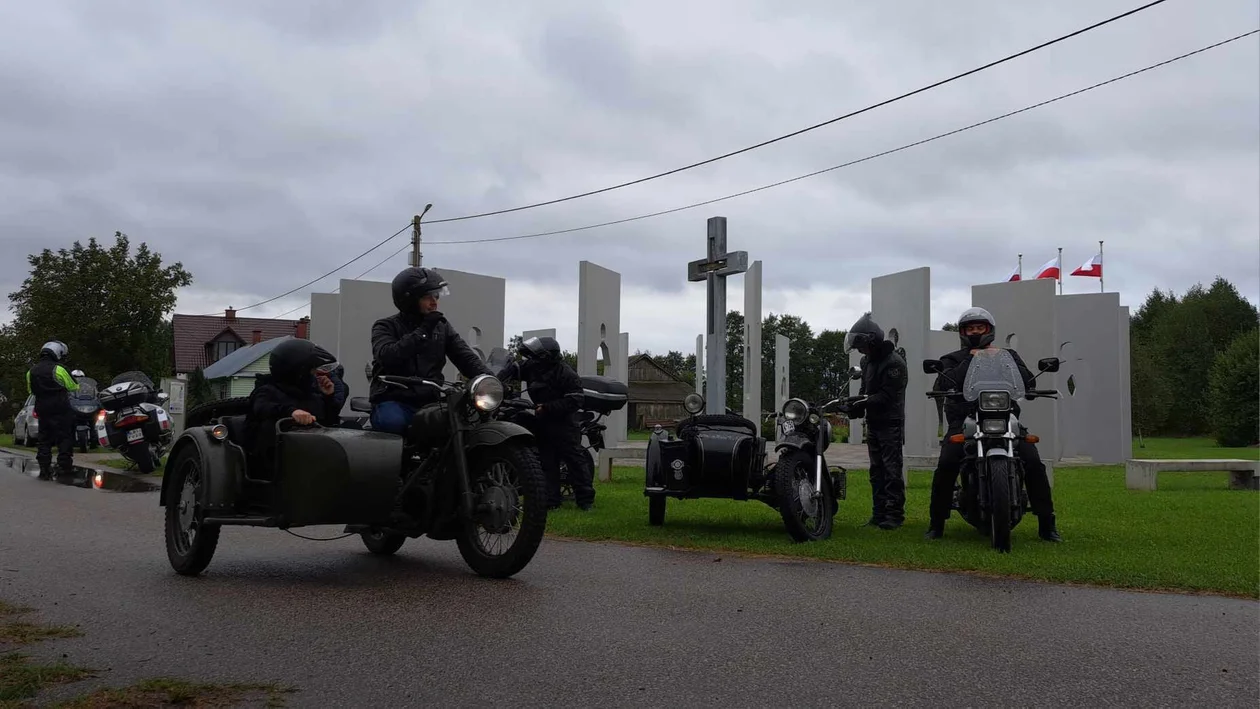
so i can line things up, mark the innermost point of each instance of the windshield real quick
(87, 388)
(993, 370)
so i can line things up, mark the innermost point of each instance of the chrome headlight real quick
(995, 401)
(487, 392)
(993, 426)
(693, 403)
(795, 410)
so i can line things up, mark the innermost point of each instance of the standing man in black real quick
(882, 401)
(556, 391)
(51, 385)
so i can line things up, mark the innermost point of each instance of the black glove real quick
(855, 408)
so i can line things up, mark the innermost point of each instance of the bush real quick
(1234, 388)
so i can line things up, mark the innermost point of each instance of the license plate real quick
(135, 434)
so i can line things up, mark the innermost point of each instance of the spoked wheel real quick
(189, 544)
(509, 510)
(382, 543)
(1000, 503)
(808, 518)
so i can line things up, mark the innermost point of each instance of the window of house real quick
(216, 351)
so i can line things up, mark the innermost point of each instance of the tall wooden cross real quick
(714, 270)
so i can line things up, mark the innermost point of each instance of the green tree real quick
(735, 360)
(675, 363)
(950, 327)
(1234, 390)
(107, 304)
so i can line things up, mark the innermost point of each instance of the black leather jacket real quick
(51, 385)
(884, 378)
(956, 363)
(412, 346)
(553, 385)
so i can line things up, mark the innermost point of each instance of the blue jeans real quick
(392, 417)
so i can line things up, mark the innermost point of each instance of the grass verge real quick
(21, 679)
(1189, 448)
(18, 632)
(1192, 535)
(6, 441)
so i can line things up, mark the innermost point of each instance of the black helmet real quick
(294, 359)
(411, 283)
(865, 332)
(540, 348)
(976, 315)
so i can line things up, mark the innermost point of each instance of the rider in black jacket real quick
(556, 391)
(882, 400)
(297, 388)
(976, 330)
(415, 342)
(51, 385)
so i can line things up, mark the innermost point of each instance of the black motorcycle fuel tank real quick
(337, 476)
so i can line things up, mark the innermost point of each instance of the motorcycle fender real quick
(493, 433)
(795, 443)
(996, 452)
(218, 468)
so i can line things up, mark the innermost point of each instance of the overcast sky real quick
(264, 142)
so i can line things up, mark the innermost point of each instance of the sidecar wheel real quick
(806, 519)
(382, 543)
(189, 544)
(656, 510)
(510, 496)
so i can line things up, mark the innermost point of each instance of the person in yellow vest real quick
(51, 385)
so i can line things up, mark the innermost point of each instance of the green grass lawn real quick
(6, 441)
(1190, 448)
(1193, 534)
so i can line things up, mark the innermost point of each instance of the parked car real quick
(26, 425)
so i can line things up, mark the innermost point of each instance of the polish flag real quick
(1092, 267)
(1050, 269)
(1013, 275)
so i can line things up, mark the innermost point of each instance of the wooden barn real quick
(655, 393)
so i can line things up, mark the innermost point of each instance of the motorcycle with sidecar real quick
(456, 474)
(992, 496)
(723, 456)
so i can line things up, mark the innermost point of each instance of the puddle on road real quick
(81, 477)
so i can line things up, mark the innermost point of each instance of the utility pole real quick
(417, 258)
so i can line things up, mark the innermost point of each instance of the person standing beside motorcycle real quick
(415, 342)
(51, 385)
(556, 391)
(976, 331)
(882, 401)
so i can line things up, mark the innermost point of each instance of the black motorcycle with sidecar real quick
(456, 474)
(723, 456)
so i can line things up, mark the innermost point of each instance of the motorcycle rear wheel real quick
(793, 477)
(509, 477)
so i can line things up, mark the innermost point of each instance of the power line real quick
(379, 244)
(847, 164)
(793, 134)
(361, 275)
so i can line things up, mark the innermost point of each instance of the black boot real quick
(1046, 529)
(936, 530)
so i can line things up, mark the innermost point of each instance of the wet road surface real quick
(593, 624)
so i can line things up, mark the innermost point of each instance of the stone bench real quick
(1139, 474)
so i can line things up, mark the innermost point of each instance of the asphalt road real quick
(595, 624)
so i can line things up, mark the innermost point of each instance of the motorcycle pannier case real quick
(603, 394)
(122, 395)
(337, 476)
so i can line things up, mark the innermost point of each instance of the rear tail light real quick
(34, 414)
(100, 416)
(131, 419)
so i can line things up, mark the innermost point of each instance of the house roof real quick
(193, 332)
(242, 358)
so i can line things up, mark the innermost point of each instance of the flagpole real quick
(1059, 275)
(1100, 267)
(1021, 267)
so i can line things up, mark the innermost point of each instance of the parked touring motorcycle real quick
(86, 404)
(723, 456)
(457, 474)
(992, 496)
(132, 420)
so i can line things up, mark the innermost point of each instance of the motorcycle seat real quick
(360, 404)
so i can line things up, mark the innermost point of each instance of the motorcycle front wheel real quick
(189, 544)
(807, 518)
(1000, 503)
(509, 510)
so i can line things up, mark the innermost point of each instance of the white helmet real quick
(77, 373)
(976, 315)
(56, 348)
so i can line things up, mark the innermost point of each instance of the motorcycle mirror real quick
(934, 366)
(1049, 364)
(855, 373)
(163, 396)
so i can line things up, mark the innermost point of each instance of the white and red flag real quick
(1050, 269)
(1092, 267)
(1013, 275)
